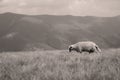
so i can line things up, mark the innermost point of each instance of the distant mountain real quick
(33, 32)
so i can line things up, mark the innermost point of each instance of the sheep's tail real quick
(98, 49)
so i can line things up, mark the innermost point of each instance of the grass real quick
(60, 65)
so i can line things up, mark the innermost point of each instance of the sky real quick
(62, 7)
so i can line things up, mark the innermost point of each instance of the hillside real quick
(47, 32)
(60, 65)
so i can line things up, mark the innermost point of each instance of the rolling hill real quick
(47, 32)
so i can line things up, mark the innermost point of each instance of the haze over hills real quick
(27, 32)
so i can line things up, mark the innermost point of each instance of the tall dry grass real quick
(60, 65)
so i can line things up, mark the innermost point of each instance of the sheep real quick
(87, 46)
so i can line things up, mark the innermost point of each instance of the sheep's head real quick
(71, 47)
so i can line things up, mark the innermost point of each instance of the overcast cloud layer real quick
(62, 7)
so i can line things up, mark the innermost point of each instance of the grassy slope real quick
(26, 32)
(60, 65)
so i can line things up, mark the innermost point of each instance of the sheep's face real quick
(71, 48)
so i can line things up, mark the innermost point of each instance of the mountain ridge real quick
(31, 32)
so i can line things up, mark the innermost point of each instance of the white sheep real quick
(87, 46)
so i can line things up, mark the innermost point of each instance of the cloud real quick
(96, 7)
(62, 7)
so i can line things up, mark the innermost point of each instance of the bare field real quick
(60, 65)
